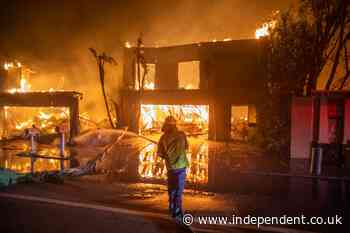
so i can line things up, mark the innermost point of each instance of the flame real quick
(11, 65)
(45, 119)
(127, 44)
(152, 166)
(190, 117)
(7, 66)
(149, 86)
(24, 84)
(189, 87)
(265, 29)
(22, 165)
(24, 87)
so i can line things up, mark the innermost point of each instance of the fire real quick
(189, 87)
(191, 118)
(127, 44)
(265, 29)
(24, 87)
(12, 65)
(194, 120)
(152, 166)
(25, 72)
(149, 86)
(22, 165)
(44, 118)
(16, 119)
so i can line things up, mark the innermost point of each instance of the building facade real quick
(324, 120)
(219, 75)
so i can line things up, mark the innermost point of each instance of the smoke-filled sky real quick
(54, 36)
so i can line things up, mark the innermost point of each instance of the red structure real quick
(323, 119)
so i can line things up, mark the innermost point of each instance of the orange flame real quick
(264, 30)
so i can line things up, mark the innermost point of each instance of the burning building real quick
(22, 106)
(214, 88)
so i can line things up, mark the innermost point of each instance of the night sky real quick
(54, 36)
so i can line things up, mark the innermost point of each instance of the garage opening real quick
(192, 119)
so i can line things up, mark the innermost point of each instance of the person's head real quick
(169, 124)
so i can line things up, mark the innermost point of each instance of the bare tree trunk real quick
(346, 63)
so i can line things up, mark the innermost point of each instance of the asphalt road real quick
(27, 216)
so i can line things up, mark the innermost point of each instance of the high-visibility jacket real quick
(172, 147)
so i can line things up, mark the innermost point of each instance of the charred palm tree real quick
(101, 59)
(141, 78)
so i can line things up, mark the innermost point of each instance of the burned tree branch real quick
(347, 71)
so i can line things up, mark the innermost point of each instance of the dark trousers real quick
(176, 186)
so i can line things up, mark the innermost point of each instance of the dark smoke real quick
(54, 36)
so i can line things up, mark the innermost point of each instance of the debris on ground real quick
(8, 177)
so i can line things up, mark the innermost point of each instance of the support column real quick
(74, 118)
(130, 108)
(316, 119)
(222, 115)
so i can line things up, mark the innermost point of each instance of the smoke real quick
(53, 37)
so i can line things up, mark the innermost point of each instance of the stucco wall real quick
(301, 130)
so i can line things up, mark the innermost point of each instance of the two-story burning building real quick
(215, 86)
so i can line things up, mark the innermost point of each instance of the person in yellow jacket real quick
(172, 147)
